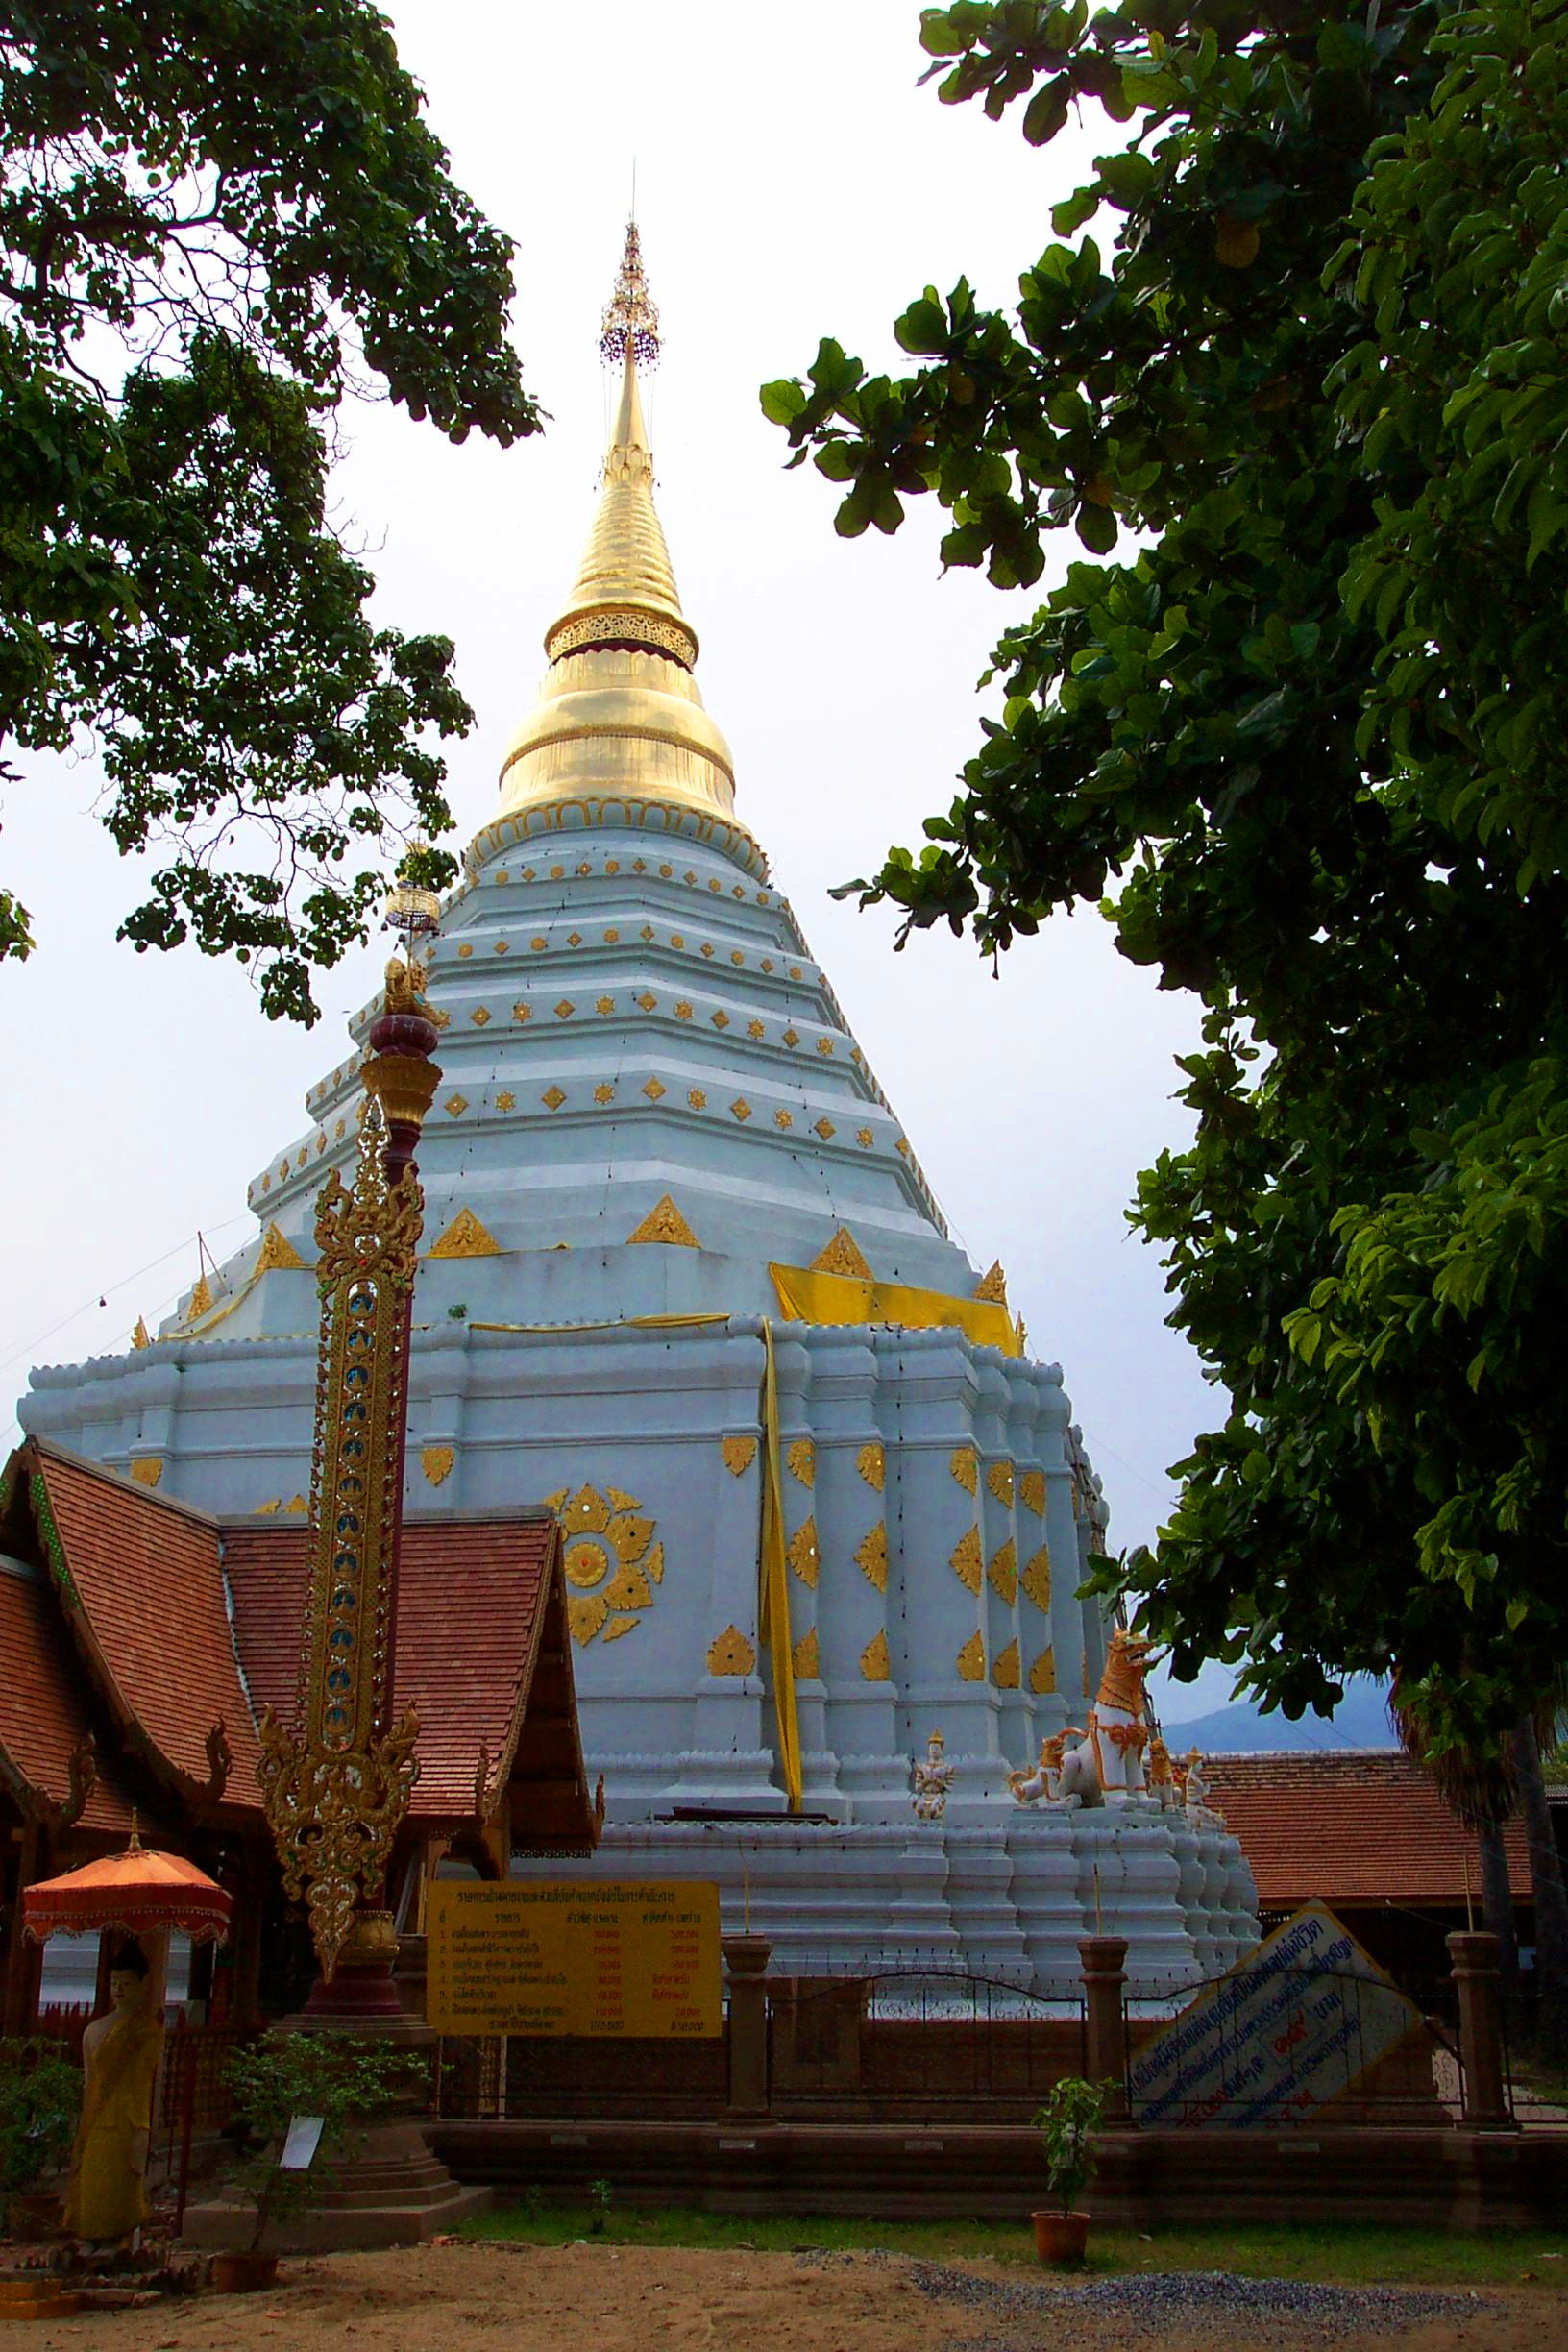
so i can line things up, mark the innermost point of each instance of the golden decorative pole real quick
(336, 1788)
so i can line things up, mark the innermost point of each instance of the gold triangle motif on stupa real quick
(994, 1287)
(139, 1338)
(465, 1238)
(663, 1223)
(843, 1254)
(276, 1256)
(201, 1299)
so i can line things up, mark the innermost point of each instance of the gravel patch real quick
(1297, 2308)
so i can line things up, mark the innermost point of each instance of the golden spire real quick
(619, 714)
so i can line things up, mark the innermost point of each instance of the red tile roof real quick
(150, 1609)
(181, 1619)
(43, 1715)
(481, 1648)
(1351, 1827)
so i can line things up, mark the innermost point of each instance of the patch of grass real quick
(1349, 2252)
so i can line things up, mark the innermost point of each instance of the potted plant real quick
(1066, 2124)
(346, 2083)
(40, 2094)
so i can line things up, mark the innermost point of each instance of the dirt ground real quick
(602, 2298)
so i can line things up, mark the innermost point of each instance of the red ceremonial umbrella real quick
(138, 1892)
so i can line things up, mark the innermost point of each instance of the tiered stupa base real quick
(1008, 1900)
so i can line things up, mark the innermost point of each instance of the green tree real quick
(1300, 732)
(216, 216)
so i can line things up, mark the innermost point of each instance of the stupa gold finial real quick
(631, 318)
(619, 719)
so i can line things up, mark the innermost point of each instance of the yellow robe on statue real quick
(107, 2192)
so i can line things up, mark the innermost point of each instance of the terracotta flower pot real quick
(1061, 2237)
(244, 2273)
(35, 2214)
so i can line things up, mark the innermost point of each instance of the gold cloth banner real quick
(612, 1961)
(808, 1297)
(773, 1581)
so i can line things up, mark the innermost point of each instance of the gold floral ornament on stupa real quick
(612, 1562)
(336, 1786)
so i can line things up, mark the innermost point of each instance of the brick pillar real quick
(1104, 1961)
(1476, 1982)
(746, 1967)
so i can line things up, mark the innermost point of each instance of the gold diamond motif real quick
(1035, 1579)
(455, 1105)
(1005, 1672)
(565, 1009)
(604, 1093)
(647, 932)
(792, 1036)
(767, 964)
(742, 1109)
(871, 1555)
(553, 1100)
(720, 1020)
(654, 1088)
(583, 866)
(1032, 1491)
(802, 1554)
(647, 1002)
(800, 1460)
(825, 1128)
(902, 1145)
(538, 945)
(737, 890)
(706, 948)
(735, 956)
(500, 947)
(874, 1666)
(573, 939)
(1003, 1572)
(970, 1661)
(999, 1478)
(479, 1016)
(712, 884)
(965, 1560)
(871, 1463)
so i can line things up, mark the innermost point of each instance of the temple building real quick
(685, 1283)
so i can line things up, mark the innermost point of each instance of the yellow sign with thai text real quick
(635, 1962)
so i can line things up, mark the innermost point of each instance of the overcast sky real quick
(791, 181)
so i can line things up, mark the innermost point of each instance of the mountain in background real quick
(1359, 1721)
